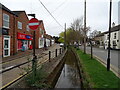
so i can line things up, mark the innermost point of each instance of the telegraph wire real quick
(59, 6)
(50, 13)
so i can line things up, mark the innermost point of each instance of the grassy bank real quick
(38, 81)
(96, 73)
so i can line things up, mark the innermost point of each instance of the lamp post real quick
(108, 59)
(65, 37)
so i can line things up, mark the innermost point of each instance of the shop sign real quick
(28, 36)
(24, 36)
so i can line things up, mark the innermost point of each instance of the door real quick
(6, 47)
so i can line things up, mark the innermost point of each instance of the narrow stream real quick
(69, 77)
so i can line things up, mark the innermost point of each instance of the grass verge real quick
(97, 75)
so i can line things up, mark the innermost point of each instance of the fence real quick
(51, 54)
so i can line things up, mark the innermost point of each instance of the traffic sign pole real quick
(33, 24)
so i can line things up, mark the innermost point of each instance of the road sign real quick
(33, 23)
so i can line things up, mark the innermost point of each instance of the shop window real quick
(41, 31)
(6, 21)
(19, 44)
(19, 25)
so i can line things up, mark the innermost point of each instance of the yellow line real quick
(20, 76)
(12, 81)
(17, 78)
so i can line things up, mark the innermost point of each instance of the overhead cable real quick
(50, 13)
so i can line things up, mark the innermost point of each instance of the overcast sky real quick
(65, 11)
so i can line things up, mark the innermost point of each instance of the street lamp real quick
(108, 59)
(33, 15)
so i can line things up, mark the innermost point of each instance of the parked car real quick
(61, 44)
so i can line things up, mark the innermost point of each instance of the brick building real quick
(8, 28)
(23, 33)
(40, 32)
(15, 33)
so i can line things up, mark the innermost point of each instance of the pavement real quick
(10, 76)
(101, 55)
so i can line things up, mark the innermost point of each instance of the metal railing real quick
(55, 53)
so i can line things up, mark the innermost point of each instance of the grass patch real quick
(39, 80)
(97, 73)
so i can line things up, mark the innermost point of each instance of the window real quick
(107, 37)
(6, 20)
(114, 35)
(41, 32)
(19, 25)
(27, 28)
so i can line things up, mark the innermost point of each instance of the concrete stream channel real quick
(65, 74)
(69, 76)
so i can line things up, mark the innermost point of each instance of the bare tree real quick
(94, 33)
(77, 24)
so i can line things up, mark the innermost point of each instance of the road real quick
(10, 76)
(102, 54)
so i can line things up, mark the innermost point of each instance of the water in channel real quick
(69, 77)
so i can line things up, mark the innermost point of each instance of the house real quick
(23, 36)
(40, 32)
(48, 40)
(15, 35)
(102, 39)
(99, 40)
(7, 27)
(114, 39)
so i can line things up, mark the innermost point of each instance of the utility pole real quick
(85, 26)
(108, 59)
(65, 37)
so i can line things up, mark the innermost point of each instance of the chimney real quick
(113, 24)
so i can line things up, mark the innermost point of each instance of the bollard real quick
(56, 52)
(60, 50)
(49, 55)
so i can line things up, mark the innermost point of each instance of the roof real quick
(6, 9)
(113, 29)
(18, 12)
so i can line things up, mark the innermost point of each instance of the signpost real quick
(33, 25)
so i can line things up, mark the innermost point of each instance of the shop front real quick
(24, 41)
